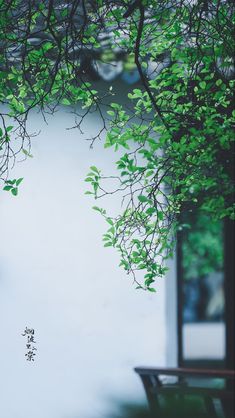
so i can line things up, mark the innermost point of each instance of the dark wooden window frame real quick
(229, 278)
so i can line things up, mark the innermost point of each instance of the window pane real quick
(203, 287)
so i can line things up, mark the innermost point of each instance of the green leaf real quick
(202, 84)
(14, 191)
(148, 282)
(27, 153)
(66, 102)
(150, 211)
(110, 113)
(19, 181)
(97, 208)
(143, 198)
(218, 82)
(95, 169)
(10, 181)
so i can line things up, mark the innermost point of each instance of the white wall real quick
(171, 311)
(92, 326)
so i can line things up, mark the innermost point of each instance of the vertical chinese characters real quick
(30, 347)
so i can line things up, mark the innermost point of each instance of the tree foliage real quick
(202, 247)
(176, 130)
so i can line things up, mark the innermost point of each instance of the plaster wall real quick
(91, 325)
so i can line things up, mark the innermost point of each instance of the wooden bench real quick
(183, 383)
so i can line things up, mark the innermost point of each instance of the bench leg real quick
(210, 408)
(152, 397)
